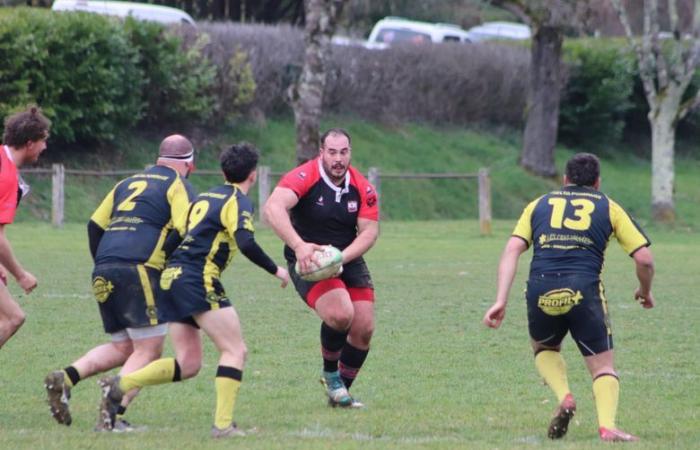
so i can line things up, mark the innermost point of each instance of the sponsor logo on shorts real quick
(214, 298)
(559, 301)
(168, 276)
(102, 288)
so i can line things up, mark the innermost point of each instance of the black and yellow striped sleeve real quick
(626, 231)
(523, 229)
(179, 198)
(229, 215)
(237, 214)
(103, 214)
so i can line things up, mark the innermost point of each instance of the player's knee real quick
(190, 366)
(339, 319)
(365, 335)
(124, 348)
(340, 323)
(16, 320)
(244, 352)
(190, 361)
(362, 335)
(151, 353)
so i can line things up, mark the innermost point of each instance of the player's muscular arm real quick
(367, 234)
(26, 280)
(644, 262)
(95, 233)
(507, 269)
(276, 214)
(7, 256)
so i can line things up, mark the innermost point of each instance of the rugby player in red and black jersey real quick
(326, 201)
(24, 139)
(569, 229)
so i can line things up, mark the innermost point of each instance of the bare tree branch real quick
(673, 17)
(689, 105)
(651, 32)
(646, 65)
(517, 7)
(693, 53)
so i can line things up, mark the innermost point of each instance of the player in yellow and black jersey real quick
(569, 230)
(219, 222)
(129, 234)
(214, 219)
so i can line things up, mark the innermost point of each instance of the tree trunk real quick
(543, 102)
(663, 137)
(217, 9)
(307, 93)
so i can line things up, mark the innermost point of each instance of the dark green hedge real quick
(94, 75)
(598, 93)
(603, 99)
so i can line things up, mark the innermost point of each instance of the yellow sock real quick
(226, 392)
(159, 371)
(66, 379)
(551, 366)
(606, 390)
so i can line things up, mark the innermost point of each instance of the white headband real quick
(189, 157)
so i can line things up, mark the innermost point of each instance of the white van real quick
(393, 30)
(499, 30)
(140, 11)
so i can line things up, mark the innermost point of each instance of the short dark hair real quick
(339, 131)
(238, 161)
(583, 169)
(25, 126)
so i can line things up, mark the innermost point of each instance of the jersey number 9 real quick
(199, 210)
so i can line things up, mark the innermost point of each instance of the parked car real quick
(140, 11)
(393, 30)
(499, 30)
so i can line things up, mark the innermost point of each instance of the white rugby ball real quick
(330, 264)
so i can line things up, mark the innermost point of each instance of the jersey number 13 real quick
(581, 219)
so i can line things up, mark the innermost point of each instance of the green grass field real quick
(436, 378)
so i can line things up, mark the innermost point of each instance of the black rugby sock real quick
(73, 374)
(351, 360)
(332, 342)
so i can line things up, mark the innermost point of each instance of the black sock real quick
(351, 360)
(73, 374)
(121, 410)
(332, 342)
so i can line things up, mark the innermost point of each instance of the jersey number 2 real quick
(582, 213)
(128, 204)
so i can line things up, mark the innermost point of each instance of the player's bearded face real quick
(335, 157)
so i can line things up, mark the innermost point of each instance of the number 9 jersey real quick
(569, 230)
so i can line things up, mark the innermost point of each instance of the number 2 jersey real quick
(570, 228)
(137, 215)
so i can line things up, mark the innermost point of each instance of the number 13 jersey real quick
(569, 230)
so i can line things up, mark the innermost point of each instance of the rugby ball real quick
(330, 264)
